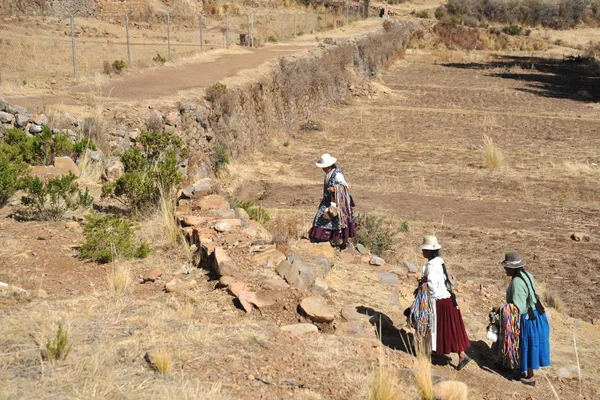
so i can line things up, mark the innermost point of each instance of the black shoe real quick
(529, 382)
(463, 363)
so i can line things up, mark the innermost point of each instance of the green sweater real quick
(517, 293)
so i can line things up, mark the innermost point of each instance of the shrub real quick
(284, 228)
(286, 143)
(50, 199)
(374, 232)
(257, 213)
(421, 14)
(512, 29)
(39, 149)
(492, 156)
(59, 348)
(150, 167)
(221, 156)
(119, 65)
(12, 168)
(214, 92)
(80, 146)
(405, 227)
(159, 59)
(110, 237)
(119, 281)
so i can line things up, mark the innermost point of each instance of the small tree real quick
(59, 347)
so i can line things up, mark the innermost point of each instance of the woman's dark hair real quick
(431, 254)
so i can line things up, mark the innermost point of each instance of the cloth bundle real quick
(422, 312)
(509, 328)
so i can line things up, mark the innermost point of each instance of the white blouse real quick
(436, 281)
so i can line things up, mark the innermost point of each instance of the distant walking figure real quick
(448, 333)
(534, 338)
(334, 221)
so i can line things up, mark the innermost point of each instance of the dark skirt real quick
(450, 329)
(318, 234)
(535, 342)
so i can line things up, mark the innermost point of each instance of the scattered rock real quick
(388, 278)
(375, 260)
(402, 272)
(361, 249)
(229, 214)
(66, 165)
(275, 284)
(152, 275)
(299, 329)
(21, 120)
(223, 226)
(306, 275)
(226, 281)
(40, 119)
(305, 249)
(346, 257)
(447, 390)
(569, 372)
(34, 129)
(236, 287)
(172, 119)
(182, 209)
(72, 225)
(199, 189)
(193, 220)
(580, 237)
(319, 285)
(6, 118)
(244, 297)
(350, 314)
(412, 268)
(228, 268)
(270, 257)
(213, 202)
(316, 308)
(350, 249)
(177, 285)
(323, 264)
(243, 216)
(114, 170)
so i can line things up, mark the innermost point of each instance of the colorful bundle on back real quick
(421, 311)
(342, 199)
(510, 329)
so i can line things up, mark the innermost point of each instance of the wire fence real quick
(45, 51)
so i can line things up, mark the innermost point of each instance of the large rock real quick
(275, 284)
(6, 118)
(350, 314)
(21, 120)
(306, 250)
(45, 172)
(243, 216)
(213, 202)
(199, 189)
(316, 308)
(228, 268)
(299, 329)
(113, 170)
(412, 268)
(450, 390)
(152, 275)
(193, 220)
(66, 165)
(580, 237)
(288, 272)
(388, 278)
(378, 261)
(225, 225)
(237, 287)
(177, 285)
(39, 119)
(270, 257)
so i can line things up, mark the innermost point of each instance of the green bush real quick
(214, 92)
(221, 156)
(512, 29)
(50, 199)
(256, 213)
(59, 348)
(80, 146)
(149, 171)
(109, 237)
(159, 59)
(118, 66)
(12, 168)
(374, 232)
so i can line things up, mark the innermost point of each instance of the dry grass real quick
(171, 231)
(284, 227)
(423, 376)
(162, 361)
(551, 299)
(120, 281)
(580, 168)
(91, 171)
(492, 156)
(384, 384)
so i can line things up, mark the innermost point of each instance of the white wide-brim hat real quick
(430, 243)
(326, 161)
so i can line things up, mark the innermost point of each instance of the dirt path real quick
(171, 80)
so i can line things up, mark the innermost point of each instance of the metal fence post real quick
(252, 37)
(168, 36)
(227, 31)
(73, 47)
(282, 31)
(295, 31)
(325, 19)
(267, 29)
(306, 18)
(248, 38)
(128, 47)
(347, 21)
(317, 27)
(201, 41)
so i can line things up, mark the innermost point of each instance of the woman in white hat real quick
(449, 334)
(334, 221)
(534, 346)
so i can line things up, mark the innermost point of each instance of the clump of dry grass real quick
(551, 299)
(162, 361)
(492, 156)
(167, 216)
(384, 384)
(284, 227)
(423, 376)
(91, 171)
(120, 282)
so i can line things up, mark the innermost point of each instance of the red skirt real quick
(450, 329)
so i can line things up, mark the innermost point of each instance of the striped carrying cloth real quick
(422, 311)
(510, 329)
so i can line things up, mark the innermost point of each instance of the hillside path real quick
(168, 81)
